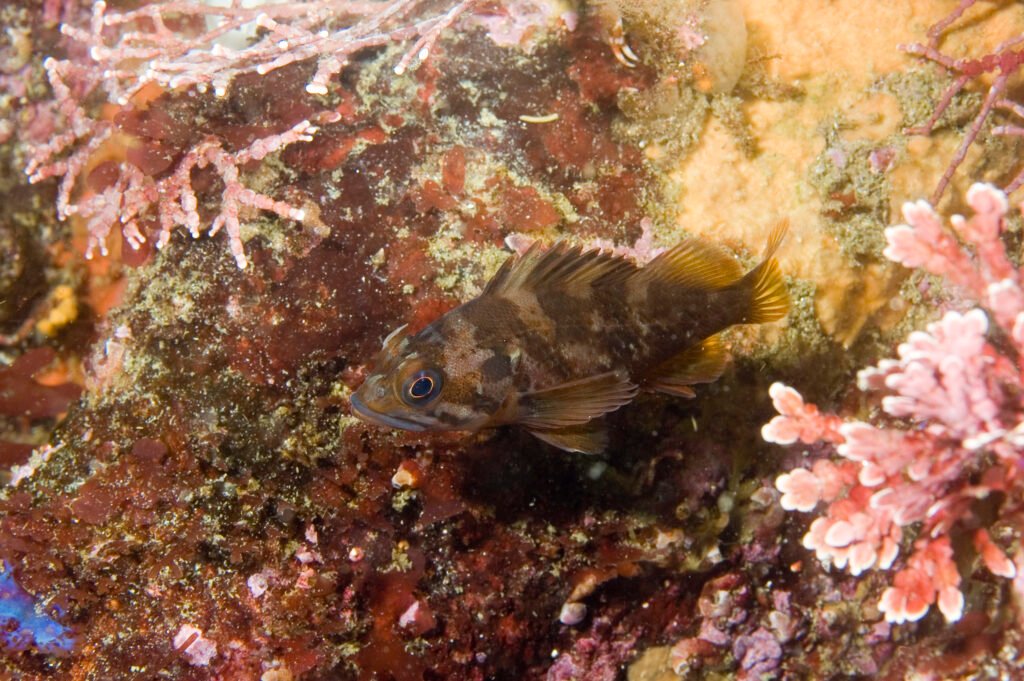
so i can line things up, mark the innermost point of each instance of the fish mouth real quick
(366, 413)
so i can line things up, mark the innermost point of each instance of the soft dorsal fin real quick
(575, 402)
(562, 267)
(586, 438)
(775, 238)
(693, 264)
(703, 362)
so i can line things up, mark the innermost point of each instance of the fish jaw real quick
(374, 403)
(366, 413)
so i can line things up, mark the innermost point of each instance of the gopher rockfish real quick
(561, 336)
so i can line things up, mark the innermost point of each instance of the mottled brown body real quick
(560, 337)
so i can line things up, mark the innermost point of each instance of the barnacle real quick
(701, 41)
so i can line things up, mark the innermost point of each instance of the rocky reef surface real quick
(189, 495)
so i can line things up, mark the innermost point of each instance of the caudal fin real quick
(769, 299)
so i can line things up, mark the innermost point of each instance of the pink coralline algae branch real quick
(953, 434)
(1002, 64)
(282, 33)
(158, 45)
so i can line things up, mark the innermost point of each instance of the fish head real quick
(431, 381)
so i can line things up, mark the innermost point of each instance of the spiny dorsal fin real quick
(562, 267)
(769, 297)
(575, 402)
(586, 438)
(700, 363)
(693, 264)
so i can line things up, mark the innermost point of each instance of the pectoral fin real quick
(700, 363)
(586, 438)
(575, 402)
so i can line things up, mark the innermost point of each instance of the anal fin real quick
(575, 402)
(703, 362)
(585, 438)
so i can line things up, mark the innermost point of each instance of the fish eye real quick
(421, 387)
